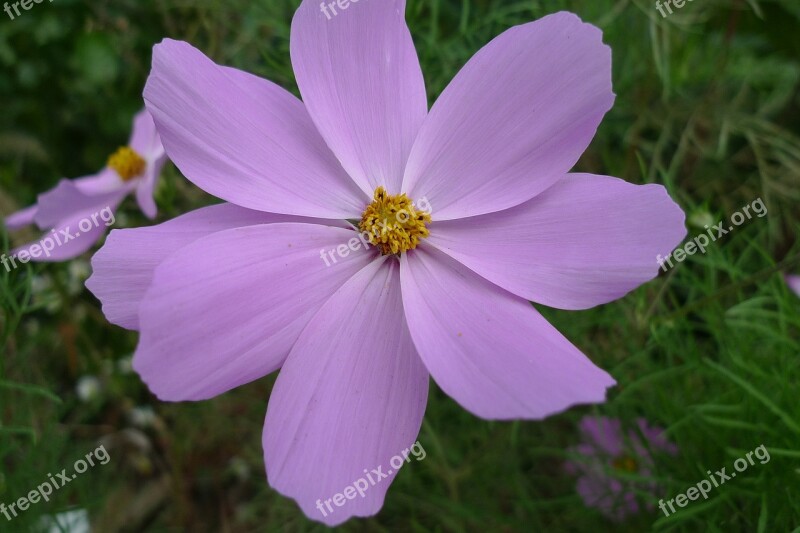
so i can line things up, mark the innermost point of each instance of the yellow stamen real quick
(625, 463)
(393, 224)
(127, 163)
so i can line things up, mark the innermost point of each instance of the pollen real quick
(625, 463)
(127, 163)
(393, 224)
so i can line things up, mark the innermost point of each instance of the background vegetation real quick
(708, 104)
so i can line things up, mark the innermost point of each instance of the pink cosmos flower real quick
(607, 449)
(794, 283)
(227, 294)
(133, 168)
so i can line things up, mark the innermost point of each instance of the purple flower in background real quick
(76, 212)
(794, 283)
(276, 279)
(607, 449)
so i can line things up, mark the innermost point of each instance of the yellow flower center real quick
(393, 224)
(625, 463)
(127, 163)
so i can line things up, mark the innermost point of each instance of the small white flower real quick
(88, 388)
(125, 365)
(74, 521)
(240, 468)
(142, 417)
(700, 219)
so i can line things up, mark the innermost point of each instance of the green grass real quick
(708, 104)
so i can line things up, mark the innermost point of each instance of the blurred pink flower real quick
(607, 449)
(133, 168)
(227, 294)
(794, 283)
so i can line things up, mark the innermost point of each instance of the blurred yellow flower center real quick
(625, 463)
(393, 224)
(127, 163)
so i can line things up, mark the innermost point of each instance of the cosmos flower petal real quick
(244, 139)
(603, 433)
(146, 141)
(66, 240)
(66, 199)
(144, 196)
(145, 189)
(514, 120)
(608, 497)
(225, 309)
(123, 268)
(655, 437)
(144, 138)
(21, 218)
(351, 396)
(488, 349)
(586, 241)
(360, 78)
(74, 199)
